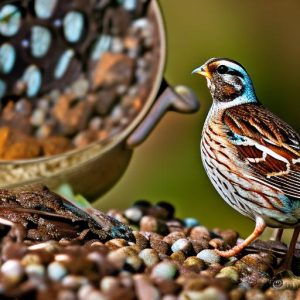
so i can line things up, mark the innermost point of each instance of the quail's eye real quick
(222, 69)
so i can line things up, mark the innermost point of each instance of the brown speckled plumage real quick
(251, 156)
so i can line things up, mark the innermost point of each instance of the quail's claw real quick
(286, 280)
(259, 228)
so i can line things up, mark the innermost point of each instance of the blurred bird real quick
(251, 156)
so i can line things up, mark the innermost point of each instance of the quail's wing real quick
(267, 144)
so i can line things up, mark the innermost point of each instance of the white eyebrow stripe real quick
(232, 65)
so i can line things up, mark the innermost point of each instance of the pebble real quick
(95, 295)
(190, 222)
(13, 271)
(209, 293)
(255, 294)
(174, 225)
(134, 262)
(149, 223)
(84, 291)
(164, 270)
(154, 266)
(30, 259)
(209, 256)
(169, 297)
(199, 232)
(56, 271)
(193, 264)
(115, 244)
(74, 281)
(145, 290)
(200, 244)
(229, 236)
(229, 272)
(109, 283)
(133, 214)
(172, 237)
(182, 245)
(35, 271)
(140, 240)
(159, 245)
(66, 295)
(149, 257)
(217, 243)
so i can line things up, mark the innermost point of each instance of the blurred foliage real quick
(262, 35)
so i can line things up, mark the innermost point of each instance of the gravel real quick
(162, 263)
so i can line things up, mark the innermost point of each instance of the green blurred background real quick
(262, 35)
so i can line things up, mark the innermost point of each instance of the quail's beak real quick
(203, 70)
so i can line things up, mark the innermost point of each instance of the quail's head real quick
(226, 80)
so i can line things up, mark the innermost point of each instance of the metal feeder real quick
(94, 169)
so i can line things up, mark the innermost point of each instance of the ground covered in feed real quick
(170, 259)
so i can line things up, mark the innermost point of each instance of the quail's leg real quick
(284, 278)
(287, 263)
(259, 228)
(277, 234)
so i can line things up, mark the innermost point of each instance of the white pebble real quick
(12, 270)
(56, 271)
(35, 270)
(96, 295)
(180, 245)
(209, 256)
(133, 214)
(108, 283)
(73, 281)
(84, 291)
